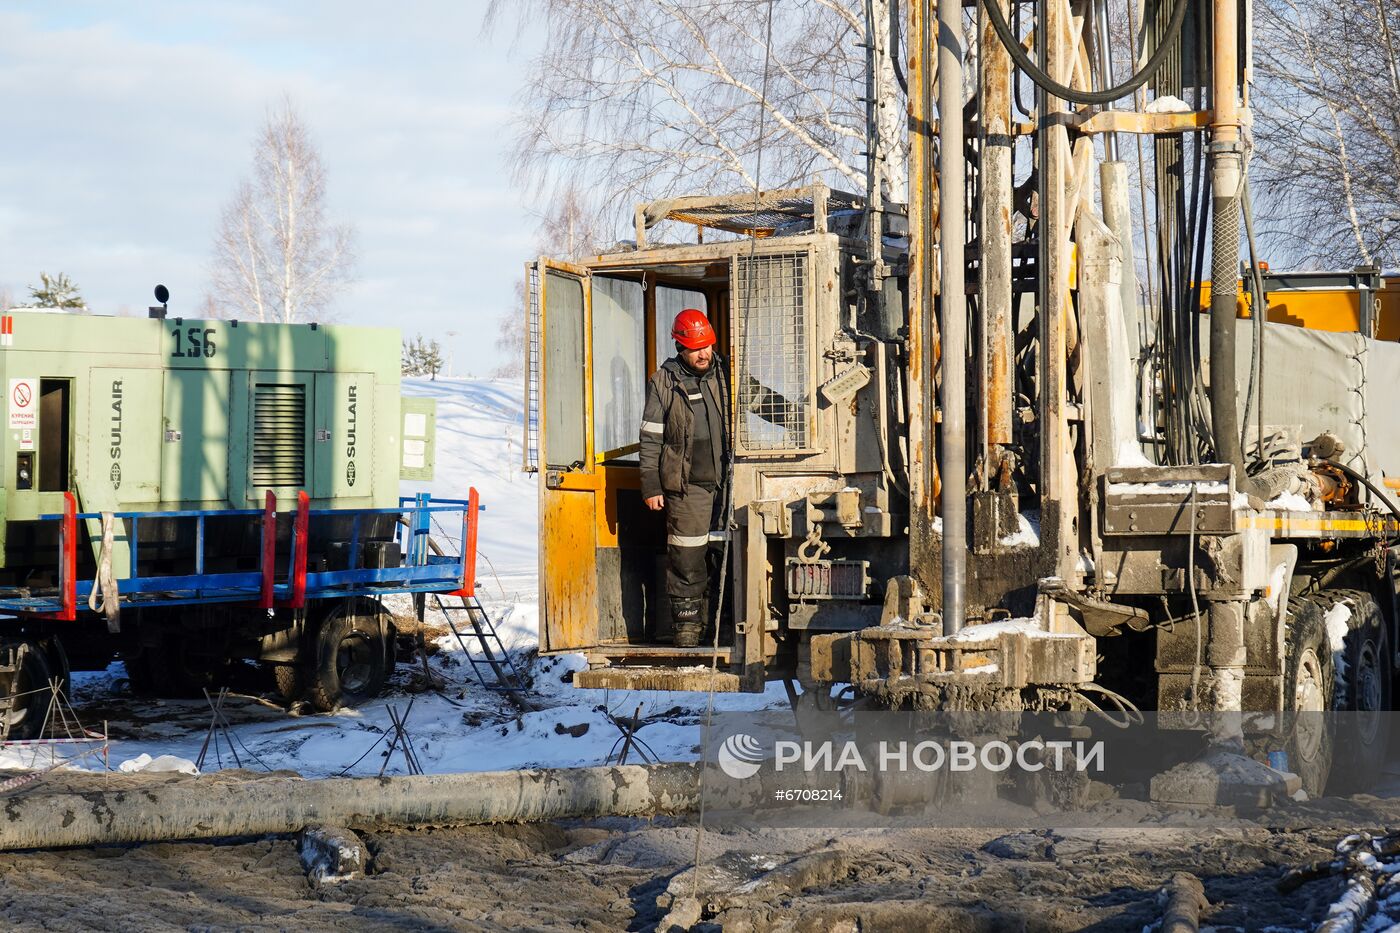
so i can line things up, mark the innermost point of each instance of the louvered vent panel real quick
(279, 435)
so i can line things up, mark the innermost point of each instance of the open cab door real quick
(600, 548)
(592, 345)
(559, 447)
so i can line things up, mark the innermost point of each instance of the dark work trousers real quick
(689, 519)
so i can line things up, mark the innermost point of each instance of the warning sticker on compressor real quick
(23, 405)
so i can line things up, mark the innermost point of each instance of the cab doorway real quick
(603, 552)
(634, 609)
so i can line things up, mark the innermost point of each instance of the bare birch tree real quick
(1328, 128)
(277, 257)
(654, 98)
(570, 230)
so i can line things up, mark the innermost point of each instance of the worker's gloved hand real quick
(656, 503)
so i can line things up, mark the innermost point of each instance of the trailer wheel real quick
(352, 655)
(26, 695)
(1363, 690)
(1308, 686)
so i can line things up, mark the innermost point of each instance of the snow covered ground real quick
(466, 727)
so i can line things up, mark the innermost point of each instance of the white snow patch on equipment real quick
(990, 631)
(1027, 533)
(1337, 618)
(1130, 455)
(1290, 502)
(1203, 488)
(1168, 103)
(1336, 622)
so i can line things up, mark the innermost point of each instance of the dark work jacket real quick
(668, 426)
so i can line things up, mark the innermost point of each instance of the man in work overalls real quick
(685, 447)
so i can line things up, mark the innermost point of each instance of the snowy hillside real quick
(478, 444)
(464, 727)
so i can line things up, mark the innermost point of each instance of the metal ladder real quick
(495, 661)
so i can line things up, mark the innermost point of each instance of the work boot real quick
(688, 621)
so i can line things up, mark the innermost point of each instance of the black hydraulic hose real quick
(1390, 506)
(894, 48)
(1016, 84)
(1107, 95)
(1259, 314)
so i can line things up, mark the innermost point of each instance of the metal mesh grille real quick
(279, 435)
(827, 579)
(532, 372)
(774, 385)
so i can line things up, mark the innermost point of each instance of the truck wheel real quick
(27, 693)
(289, 681)
(138, 673)
(181, 671)
(59, 667)
(352, 655)
(1361, 660)
(1308, 684)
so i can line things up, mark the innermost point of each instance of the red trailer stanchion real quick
(469, 530)
(70, 558)
(67, 564)
(469, 556)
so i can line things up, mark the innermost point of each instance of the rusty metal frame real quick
(1146, 124)
(726, 212)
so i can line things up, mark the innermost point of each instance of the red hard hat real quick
(692, 330)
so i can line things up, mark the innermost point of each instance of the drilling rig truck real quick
(1021, 464)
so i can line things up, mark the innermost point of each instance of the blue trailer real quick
(188, 494)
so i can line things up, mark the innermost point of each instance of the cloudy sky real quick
(129, 125)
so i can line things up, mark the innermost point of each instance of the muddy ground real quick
(636, 875)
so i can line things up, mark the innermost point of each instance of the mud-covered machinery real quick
(185, 493)
(821, 403)
(1018, 463)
